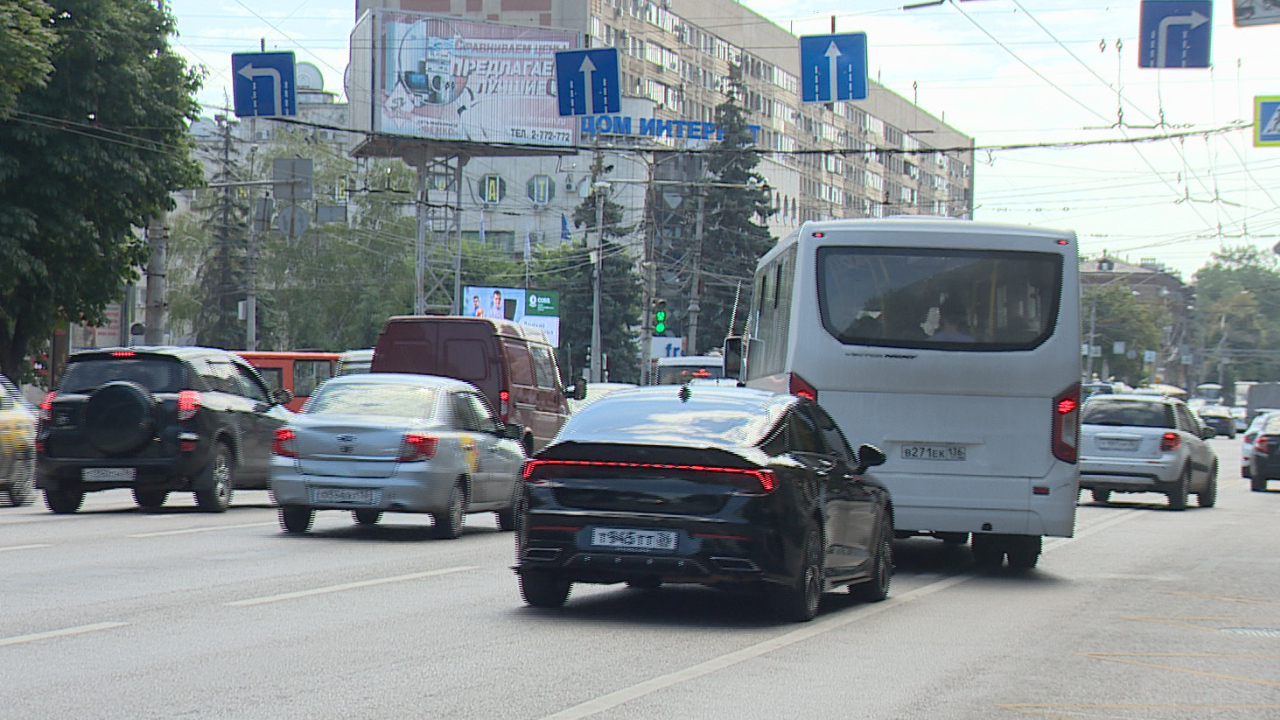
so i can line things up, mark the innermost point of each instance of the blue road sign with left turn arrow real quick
(263, 84)
(588, 81)
(1175, 33)
(833, 67)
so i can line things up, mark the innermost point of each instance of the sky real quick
(1071, 132)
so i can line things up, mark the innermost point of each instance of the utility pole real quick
(155, 315)
(597, 260)
(695, 292)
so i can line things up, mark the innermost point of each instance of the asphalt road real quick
(117, 613)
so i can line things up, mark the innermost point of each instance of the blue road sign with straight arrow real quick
(263, 84)
(1175, 33)
(588, 81)
(833, 67)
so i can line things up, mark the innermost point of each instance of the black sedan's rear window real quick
(156, 374)
(1136, 413)
(678, 415)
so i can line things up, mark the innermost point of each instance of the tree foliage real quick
(84, 159)
(1113, 313)
(26, 43)
(735, 234)
(1238, 308)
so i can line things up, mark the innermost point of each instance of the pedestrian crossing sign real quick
(1266, 121)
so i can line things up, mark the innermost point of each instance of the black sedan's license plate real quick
(633, 539)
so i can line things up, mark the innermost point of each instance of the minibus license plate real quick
(636, 539)
(933, 452)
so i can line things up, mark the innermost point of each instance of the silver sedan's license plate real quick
(933, 452)
(109, 474)
(634, 539)
(342, 496)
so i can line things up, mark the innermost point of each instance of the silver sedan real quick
(389, 442)
(1146, 443)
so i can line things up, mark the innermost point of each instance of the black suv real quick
(157, 420)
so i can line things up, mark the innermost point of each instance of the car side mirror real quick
(732, 354)
(869, 456)
(281, 396)
(1207, 432)
(580, 389)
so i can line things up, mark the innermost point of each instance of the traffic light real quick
(659, 317)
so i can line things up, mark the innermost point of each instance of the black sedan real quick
(721, 486)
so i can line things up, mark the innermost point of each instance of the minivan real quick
(298, 372)
(512, 364)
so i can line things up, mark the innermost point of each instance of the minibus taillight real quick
(1170, 441)
(799, 386)
(283, 443)
(46, 407)
(504, 406)
(189, 403)
(1066, 424)
(417, 447)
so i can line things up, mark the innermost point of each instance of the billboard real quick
(447, 78)
(535, 308)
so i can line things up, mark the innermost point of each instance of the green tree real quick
(85, 159)
(735, 234)
(1238, 309)
(1113, 313)
(26, 42)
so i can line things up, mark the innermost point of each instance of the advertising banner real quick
(535, 308)
(445, 78)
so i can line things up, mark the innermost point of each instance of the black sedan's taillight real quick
(748, 481)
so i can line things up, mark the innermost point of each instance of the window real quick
(544, 367)
(482, 414)
(466, 360)
(308, 374)
(246, 384)
(939, 298)
(520, 363)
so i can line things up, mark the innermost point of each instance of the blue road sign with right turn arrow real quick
(588, 82)
(1175, 33)
(263, 84)
(833, 67)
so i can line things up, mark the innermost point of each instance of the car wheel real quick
(150, 499)
(1209, 495)
(1244, 471)
(218, 482)
(506, 519)
(798, 602)
(448, 524)
(62, 500)
(1100, 496)
(1257, 481)
(1024, 554)
(987, 553)
(1178, 496)
(22, 489)
(296, 519)
(544, 588)
(876, 588)
(367, 516)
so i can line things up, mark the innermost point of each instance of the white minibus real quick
(954, 347)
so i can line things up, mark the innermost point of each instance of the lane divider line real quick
(25, 547)
(65, 632)
(192, 531)
(349, 586)
(811, 629)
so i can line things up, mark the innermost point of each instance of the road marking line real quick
(191, 531)
(24, 547)
(1043, 710)
(80, 630)
(1227, 598)
(349, 586)
(811, 629)
(1125, 658)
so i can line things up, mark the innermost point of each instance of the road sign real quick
(263, 84)
(1266, 121)
(833, 67)
(1175, 33)
(1256, 12)
(588, 82)
(292, 179)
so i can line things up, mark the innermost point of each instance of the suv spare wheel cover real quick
(118, 418)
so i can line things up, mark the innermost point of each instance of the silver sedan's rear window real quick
(1135, 413)
(382, 399)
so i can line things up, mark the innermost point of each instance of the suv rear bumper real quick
(169, 473)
